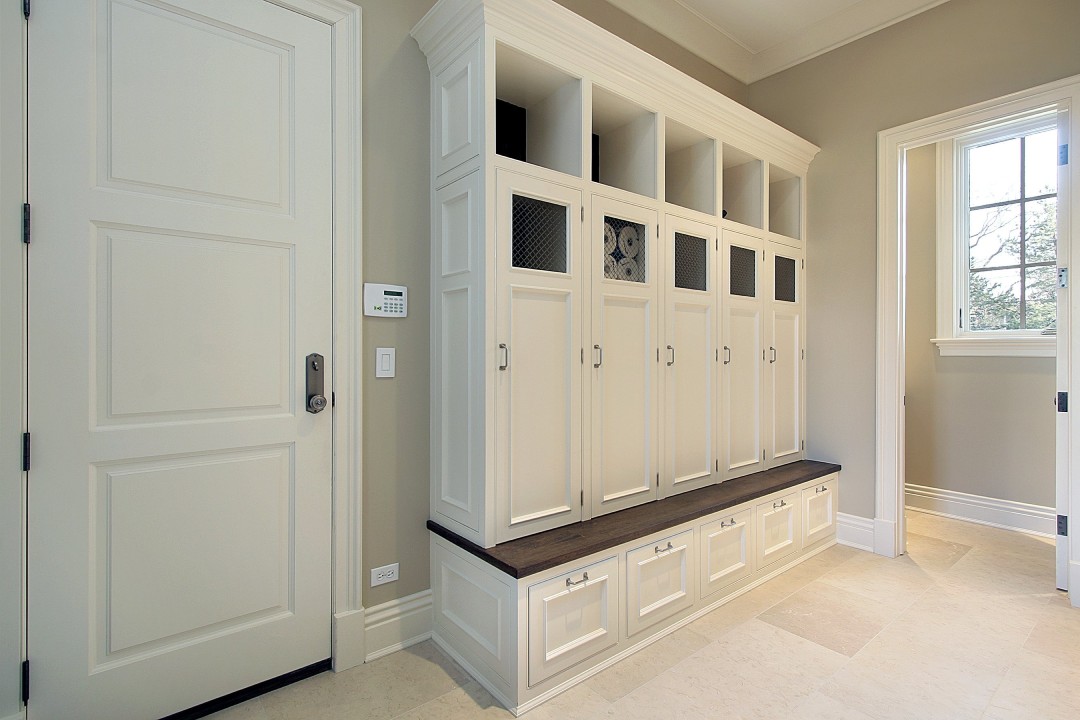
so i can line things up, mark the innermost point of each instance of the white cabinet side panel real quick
(473, 610)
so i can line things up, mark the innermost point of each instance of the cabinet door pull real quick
(600, 360)
(821, 489)
(659, 549)
(572, 583)
(729, 523)
(727, 355)
(672, 351)
(777, 506)
(506, 356)
(773, 350)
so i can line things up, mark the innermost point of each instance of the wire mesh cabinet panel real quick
(538, 385)
(624, 412)
(784, 355)
(741, 355)
(689, 356)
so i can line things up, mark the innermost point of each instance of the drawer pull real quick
(730, 523)
(505, 356)
(659, 549)
(821, 489)
(777, 506)
(572, 583)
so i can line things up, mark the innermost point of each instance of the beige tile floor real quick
(966, 625)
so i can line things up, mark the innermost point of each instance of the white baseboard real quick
(1008, 514)
(855, 531)
(397, 624)
(348, 634)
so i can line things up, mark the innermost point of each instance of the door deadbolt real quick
(316, 399)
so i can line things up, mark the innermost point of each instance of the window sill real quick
(1040, 346)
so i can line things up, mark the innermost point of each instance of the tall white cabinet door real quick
(741, 355)
(689, 357)
(537, 353)
(624, 355)
(784, 376)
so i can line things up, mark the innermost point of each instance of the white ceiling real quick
(752, 39)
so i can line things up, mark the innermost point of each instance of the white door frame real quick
(893, 145)
(344, 19)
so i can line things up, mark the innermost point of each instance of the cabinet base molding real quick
(527, 637)
(855, 531)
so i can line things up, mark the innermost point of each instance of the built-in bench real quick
(543, 551)
(532, 617)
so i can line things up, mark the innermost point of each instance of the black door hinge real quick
(1063, 402)
(1063, 525)
(26, 223)
(26, 452)
(25, 682)
(26, 9)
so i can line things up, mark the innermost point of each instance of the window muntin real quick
(1009, 218)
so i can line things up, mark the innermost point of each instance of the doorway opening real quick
(899, 157)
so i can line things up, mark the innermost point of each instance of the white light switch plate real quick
(385, 362)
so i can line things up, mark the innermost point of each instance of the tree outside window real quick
(1011, 222)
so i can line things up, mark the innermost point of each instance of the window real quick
(997, 235)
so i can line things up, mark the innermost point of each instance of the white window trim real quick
(952, 279)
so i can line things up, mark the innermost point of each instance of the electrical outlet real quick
(384, 574)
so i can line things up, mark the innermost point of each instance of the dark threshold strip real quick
(235, 698)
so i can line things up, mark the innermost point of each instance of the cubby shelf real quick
(624, 143)
(743, 187)
(689, 168)
(785, 203)
(538, 114)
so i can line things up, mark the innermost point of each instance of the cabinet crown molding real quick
(563, 38)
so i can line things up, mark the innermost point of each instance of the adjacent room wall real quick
(959, 53)
(396, 248)
(977, 425)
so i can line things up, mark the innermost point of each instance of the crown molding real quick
(703, 37)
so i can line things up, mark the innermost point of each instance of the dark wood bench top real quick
(543, 551)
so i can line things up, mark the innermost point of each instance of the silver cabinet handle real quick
(727, 355)
(572, 583)
(821, 489)
(600, 360)
(777, 506)
(773, 350)
(506, 356)
(659, 549)
(730, 523)
(672, 351)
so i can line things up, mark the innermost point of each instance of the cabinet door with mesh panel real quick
(689, 356)
(784, 355)
(624, 413)
(537, 347)
(741, 355)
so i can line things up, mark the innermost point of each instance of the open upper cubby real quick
(743, 187)
(785, 203)
(538, 112)
(689, 168)
(624, 143)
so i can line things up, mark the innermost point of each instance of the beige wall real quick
(978, 425)
(959, 53)
(396, 246)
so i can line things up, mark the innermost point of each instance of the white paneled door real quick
(180, 272)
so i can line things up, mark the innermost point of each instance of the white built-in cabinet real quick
(594, 346)
(529, 638)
